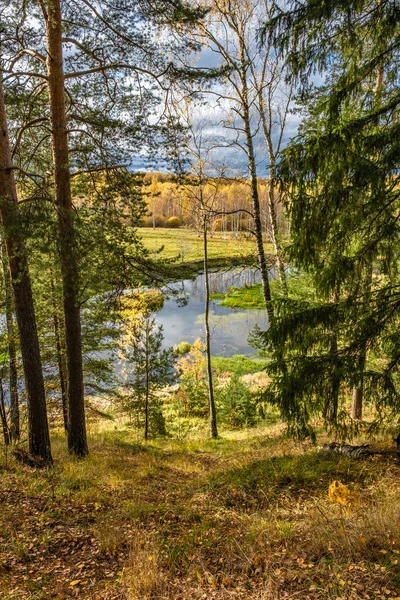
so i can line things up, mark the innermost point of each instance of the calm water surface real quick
(229, 327)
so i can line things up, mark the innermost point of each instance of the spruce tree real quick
(340, 174)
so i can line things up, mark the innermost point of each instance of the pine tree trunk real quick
(77, 440)
(39, 439)
(14, 428)
(254, 194)
(357, 404)
(358, 390)
(331, 407)
(213, 412)
(62, 369)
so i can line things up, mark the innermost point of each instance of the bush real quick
(193, 391)
(182, 348)
(237, 407)
(158, 220)
(173, 223)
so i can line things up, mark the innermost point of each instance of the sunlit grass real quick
(186, 517)
(187, 244)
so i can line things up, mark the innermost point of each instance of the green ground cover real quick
(299, 286)
(238, 364)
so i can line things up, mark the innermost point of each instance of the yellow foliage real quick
(135, 303)
(339, 493)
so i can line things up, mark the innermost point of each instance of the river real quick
(230, 327)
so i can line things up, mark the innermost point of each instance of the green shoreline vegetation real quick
(245, 298)
(251, 296)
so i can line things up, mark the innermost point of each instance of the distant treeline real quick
(170, 205)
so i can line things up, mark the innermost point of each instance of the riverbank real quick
(246, 516)
(183, 250)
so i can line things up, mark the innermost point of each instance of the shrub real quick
(193, 382)
(217, 225)
(237, 407)
(182, 348)
(173, 223)
(157, 220)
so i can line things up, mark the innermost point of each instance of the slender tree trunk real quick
(77, 440)
(254, 189)
(3, 417)
(62, 368)
(332, 403)
(39, 439)
(271, 196)
(358, 390)
(213, 412)
(275, 230)
(14, 428)
(357, 403)
(146, 405)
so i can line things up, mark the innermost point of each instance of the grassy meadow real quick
(246, 516)
(186, 245)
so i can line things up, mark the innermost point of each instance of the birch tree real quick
(256, 101)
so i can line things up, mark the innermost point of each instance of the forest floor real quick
(246, 516)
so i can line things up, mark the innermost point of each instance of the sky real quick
(210, 114)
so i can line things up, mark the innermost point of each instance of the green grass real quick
(245, 298)
(241, 365)
(261, 481)
(188, 245)
(299, 286)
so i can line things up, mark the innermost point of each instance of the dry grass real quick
(371, 531)
(247, 516)
(142, 575)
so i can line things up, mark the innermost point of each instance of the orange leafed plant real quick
(339, 493)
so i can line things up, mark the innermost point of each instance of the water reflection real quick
(230, 327)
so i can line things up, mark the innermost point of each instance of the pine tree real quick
(147, 369)
(39, 439)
